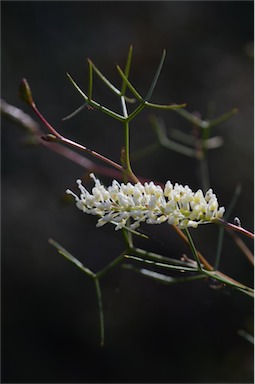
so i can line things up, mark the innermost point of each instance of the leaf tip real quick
(25, 92)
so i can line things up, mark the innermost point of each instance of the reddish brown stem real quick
(58, 137)
(235, 228)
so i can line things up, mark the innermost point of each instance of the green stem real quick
(127, 148)
(100, 307)
(193, 249)
(128, 238)
(204, 172)
(128, 173)
(215, 275)
(136, 112)
(111, 265)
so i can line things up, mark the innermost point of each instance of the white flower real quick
(148, 203)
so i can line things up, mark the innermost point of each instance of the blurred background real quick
(154, 333)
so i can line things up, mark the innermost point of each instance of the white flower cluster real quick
(148, 203)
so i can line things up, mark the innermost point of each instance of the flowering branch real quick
(126, 205)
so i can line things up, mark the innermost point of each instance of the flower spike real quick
(176, 204)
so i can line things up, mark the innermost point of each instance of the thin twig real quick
(239, 242)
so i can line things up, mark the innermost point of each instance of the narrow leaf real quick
(155, 80)
(167, 106)
(161, 277)
(163, 265)
(90, 80)
(127, 69)
(77, 87)
(71, 258)
(104, 79)
(129, 85)
(192, 118)
(223, 117)
(75, 112)
(193, 249)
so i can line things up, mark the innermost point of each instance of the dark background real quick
(154, 333)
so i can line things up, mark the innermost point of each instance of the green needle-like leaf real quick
(71, 258)
(75, 112)
(94, 103)
(193, 249)
(172, 107)
(166, 265)
(161, 277)
(129, 85)
(223, 117)
(90, 87)
(127, 69)
(192, 118)
(104, 79)
(155, 80)
(77, 87)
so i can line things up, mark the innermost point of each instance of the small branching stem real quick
(58, 137)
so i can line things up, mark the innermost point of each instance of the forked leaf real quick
(160, 129)
(94, 103)
(104, 79)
